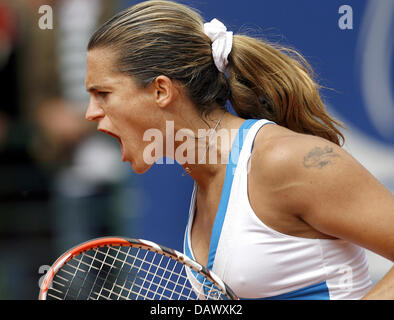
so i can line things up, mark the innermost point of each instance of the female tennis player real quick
(283, 212)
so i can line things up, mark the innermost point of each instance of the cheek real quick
(132, 115)
(132, 108)
(118, 112)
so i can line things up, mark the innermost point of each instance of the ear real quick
(165, 91)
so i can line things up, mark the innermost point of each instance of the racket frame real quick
(136, 243)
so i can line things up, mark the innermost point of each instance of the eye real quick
(102, 94)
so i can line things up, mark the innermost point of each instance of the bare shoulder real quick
(324, 186)
(283, 156)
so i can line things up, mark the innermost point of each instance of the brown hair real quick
(264, 80)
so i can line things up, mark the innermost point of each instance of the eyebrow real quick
(93, 88)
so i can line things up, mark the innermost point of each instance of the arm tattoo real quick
(319, 158)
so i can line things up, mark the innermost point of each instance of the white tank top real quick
(257, 262)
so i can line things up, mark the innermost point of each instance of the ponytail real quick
(275, 83)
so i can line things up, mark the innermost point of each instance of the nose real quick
(94, 112)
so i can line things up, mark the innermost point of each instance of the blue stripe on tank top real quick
(228, 181)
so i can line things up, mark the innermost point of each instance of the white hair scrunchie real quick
(222, 42)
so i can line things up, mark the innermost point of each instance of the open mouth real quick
(116, 137)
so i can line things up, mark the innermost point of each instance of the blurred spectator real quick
(23, 185)
(8, 105)
(60, 129)
(58, 178)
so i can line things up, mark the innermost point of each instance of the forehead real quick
(100, 68)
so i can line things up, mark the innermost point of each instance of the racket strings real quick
(158, 267)
(180, 274)
(76, 271)
(115, 273)
(112, 266)
(110, 291)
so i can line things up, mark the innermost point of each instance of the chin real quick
(139, 169)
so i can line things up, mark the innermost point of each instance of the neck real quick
(212, 148)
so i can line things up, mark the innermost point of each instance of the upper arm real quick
(333, 193)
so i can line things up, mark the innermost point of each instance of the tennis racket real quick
(130, 269)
